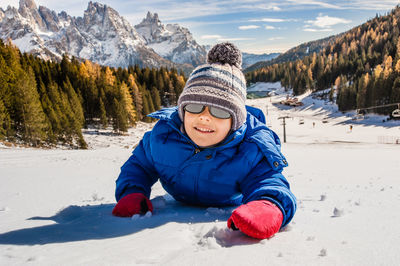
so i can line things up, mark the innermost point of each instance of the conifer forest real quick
(45, 103)
(361, 67)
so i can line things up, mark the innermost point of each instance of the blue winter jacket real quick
(246, 166)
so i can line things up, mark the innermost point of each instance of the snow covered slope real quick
(55, 205)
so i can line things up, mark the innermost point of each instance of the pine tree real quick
(126, 100)
(103, 115)
(74, 102)
(395, 96)
(362, 91)
(137, 97)
(120, 121)
(4, 121)
(146, 107)
(32, 123)
(179, 85)
(155, 95)
(5, 96)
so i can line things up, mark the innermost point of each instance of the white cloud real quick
(269, 7)
(275, 38)
(317, 30)
(324, 23)
(268, 20)
(327, 21)
(314, 3)
(224, 39)
(268, 27)
(235, 39)
(210, 37)
(248, 27)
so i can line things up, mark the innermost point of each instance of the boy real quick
(212, 150)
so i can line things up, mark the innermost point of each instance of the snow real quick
(265, 86)
(24, 43)
(164, 48)
(55, 205)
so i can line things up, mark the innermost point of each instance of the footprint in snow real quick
(337, 212)
(322, 253)
(4, 209)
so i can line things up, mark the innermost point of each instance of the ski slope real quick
(55, 205)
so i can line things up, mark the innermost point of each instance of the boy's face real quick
(204, 129)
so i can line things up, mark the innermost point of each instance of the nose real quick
(205, 115)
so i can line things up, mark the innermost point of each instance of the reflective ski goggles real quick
(196, 108)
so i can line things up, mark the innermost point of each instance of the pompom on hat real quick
(219, 83)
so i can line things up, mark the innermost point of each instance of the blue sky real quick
(254, 26)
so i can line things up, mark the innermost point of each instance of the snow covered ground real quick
(55, 205)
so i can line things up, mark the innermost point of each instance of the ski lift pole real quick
(284, 126)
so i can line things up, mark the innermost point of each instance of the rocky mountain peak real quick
(29, 10)
(93, 11)
(151, 19)
(171, 41)
(95, 7)
(29, 4)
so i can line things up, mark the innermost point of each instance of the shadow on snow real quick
(80, 223)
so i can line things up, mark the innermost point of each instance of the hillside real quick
(294, 53)
(360, 66)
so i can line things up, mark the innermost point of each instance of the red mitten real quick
(135, 203)
(259, 219)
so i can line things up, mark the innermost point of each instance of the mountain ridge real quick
(101, 35)
(104, 37)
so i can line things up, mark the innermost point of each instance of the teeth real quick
(204, 129)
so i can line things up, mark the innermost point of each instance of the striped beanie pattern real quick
(219, 83)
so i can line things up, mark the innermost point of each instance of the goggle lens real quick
(195, 108)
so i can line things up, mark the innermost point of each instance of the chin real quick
(204, 144)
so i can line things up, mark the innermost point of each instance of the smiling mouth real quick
(204, 130)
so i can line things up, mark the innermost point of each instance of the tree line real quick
(48, 103)
(361, 67)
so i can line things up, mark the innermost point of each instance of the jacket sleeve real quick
(138, 173)
(263, 182)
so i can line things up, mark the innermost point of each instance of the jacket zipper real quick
(196, 151)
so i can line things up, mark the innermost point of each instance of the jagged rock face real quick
(171, 41)
(101, 35)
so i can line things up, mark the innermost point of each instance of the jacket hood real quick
(253, 130)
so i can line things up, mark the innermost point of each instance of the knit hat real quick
(219, 83)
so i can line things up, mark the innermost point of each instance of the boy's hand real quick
(135, 203)
(259, 219)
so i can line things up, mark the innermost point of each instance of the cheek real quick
(187, 121)
(224, 126)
